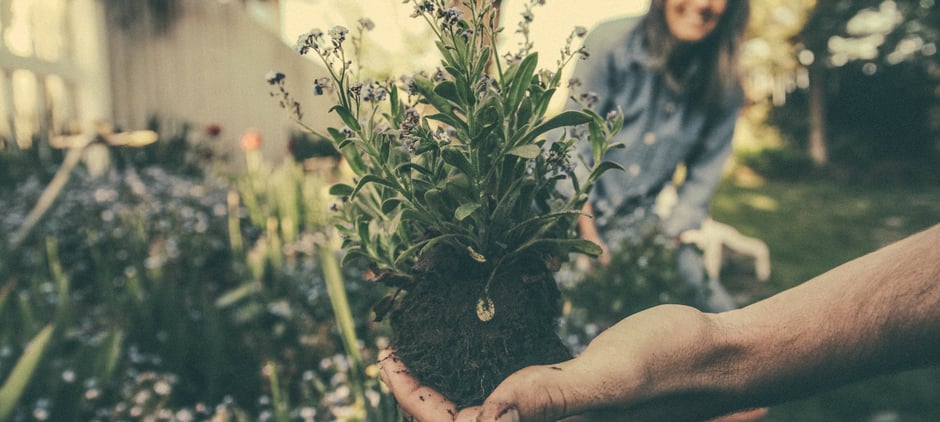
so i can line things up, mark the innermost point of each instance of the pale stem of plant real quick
(47, 198)
(344, 321)
(22, 372)
(280, 402)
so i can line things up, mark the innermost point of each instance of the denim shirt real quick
(661, 130)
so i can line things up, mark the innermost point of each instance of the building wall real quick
(208, 67)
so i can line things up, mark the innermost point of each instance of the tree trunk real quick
(818, 150)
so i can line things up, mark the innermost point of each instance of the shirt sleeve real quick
(704, 170)
(605, 45)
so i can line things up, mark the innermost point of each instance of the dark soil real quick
(444, 344)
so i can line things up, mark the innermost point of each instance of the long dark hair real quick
(716, 56)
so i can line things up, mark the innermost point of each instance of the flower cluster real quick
(309, 40)
(463, 160)
(285, 100)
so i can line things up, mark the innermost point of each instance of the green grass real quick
(812, 226)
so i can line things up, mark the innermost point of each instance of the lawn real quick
(812, 226)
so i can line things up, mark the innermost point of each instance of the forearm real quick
(876, 314)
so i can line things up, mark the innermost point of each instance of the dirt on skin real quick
(443, 343)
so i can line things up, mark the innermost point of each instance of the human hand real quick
(652, 366)
(629, 372)
(419, 402)
(537, 393)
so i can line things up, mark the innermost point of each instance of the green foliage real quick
(22, 372)
(459, 159)
(168, 299)
(641, 274)
(17, 165)
(786, 163)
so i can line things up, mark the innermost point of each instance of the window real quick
(46, 64)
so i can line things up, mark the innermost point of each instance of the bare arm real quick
(879, 313)
(876, 314)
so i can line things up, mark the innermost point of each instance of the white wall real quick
(209, 68)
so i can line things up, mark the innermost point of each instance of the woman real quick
(673, 73)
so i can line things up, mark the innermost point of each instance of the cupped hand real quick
(638, 370)
(420, 402)
(650, 366)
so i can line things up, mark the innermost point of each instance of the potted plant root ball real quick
(464, 197)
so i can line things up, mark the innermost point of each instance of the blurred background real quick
(165, 252)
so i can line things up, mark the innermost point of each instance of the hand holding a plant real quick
(631, 372)
(621, 375)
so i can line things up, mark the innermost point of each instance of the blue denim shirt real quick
(661, 130)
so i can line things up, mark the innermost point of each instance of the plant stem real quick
(46, 200)
(22, 372)
(344, 321)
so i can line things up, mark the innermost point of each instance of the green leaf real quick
(385, 148)
(465, 210)
(446, 52)
(542, 222)
(523, 114)
(390, 204)
(110, 354)
(598, 140)
(371, 178)
(337, 135)
(583, 246)
(436, 201)
(420, 247)
(448, 90)
(453, 156)
(236, 294)
(5, 294)
(409, 214)
(482, 61)
(564, 119)
(362, 231)
(354, 158)
(601, 168)
(521, 80)
(412, 166)
(563, 246)
(393, 100)
(352, 255)
(529, 151)
(341, 189)
(346, 116)
(542, 102)
(450, 120)
(426, 88)
(22, 372)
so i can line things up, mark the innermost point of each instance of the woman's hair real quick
(716, 56)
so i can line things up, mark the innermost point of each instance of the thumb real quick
(537, 393)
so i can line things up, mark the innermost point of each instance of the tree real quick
(847, 45)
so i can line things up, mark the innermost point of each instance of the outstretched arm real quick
(876, 314)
